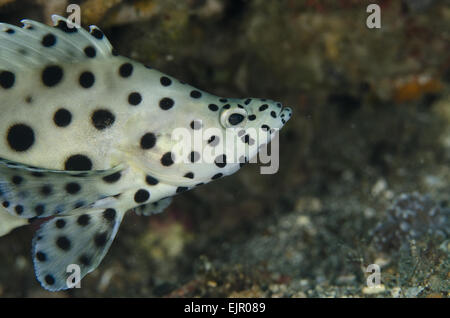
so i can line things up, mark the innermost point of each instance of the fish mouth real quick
(275, 124)
(284, 115)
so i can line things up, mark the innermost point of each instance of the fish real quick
(9, 222)
(87, 135)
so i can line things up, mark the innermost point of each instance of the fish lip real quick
(287, 112)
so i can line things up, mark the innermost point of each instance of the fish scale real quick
(87, 135)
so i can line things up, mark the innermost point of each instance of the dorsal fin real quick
(35, 43)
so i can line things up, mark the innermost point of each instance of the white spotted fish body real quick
(86, 135)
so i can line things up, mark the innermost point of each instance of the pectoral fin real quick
(81, 239)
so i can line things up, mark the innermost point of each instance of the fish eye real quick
(233, 117)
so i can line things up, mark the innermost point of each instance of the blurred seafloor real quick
(364, 175)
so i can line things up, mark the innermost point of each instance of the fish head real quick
(250, 124)
(204, 137)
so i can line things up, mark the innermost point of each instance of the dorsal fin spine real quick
(70, 47)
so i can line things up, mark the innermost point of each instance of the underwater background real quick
(364, 174)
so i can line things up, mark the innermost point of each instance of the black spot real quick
(227, 106)
(85, 260)
(166, 159)
(73, 188)
(46, 190)
(112, 177)
(20, 137)
(151, 180)
(235, 119)
(37, 174)
(273, 114)
(141, 196)
(189, 175)
(90, 51)
(49, 40)
(102, 119)
(165, 81)
(17, 180)
(246, 139)
(100, 239)
(39, 209)
(63, 243)
(78, 163)
(83, 220)
(247, 101)
(29, 99)
(223, 100)
(213, 141)
(5, 204)
(134, 98)
(166, 103)
(62, 117)
(196, 94)
(87, 79)
(265, 127)
(126, 70)
(181, 189)
(60, 223)
(52, 75)
(19, 209)
(96, 33)
(148, 141)
(49, 279)
(221, 161)
(41, 256)
(263, 107)
(194, 156)
(7, 79)
(109, 214)
(10, 31)
(217, 176)
(62, 25)
(196, 124)
(213, 107)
